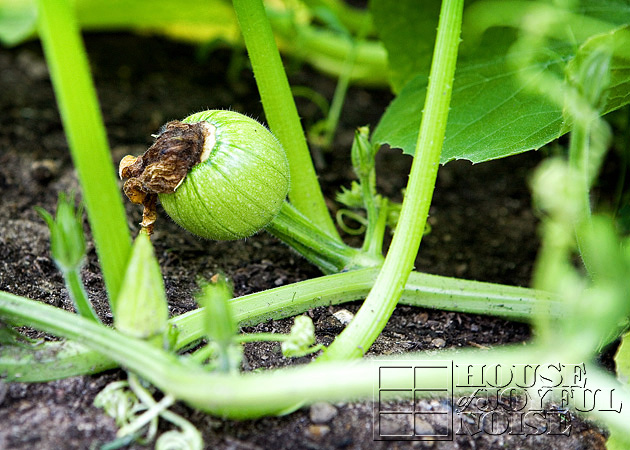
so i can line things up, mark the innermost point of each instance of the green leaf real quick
(491, 116)
(493, 112)
(407, 29)
(18, 21)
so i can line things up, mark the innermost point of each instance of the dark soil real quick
(483, 228)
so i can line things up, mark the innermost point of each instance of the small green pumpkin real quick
(219, 174)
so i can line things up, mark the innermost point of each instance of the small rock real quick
(322, 412)
(395, 425)
(438, 342)
(317, 432)
(422, 318)
(344, 316)
(423, 428)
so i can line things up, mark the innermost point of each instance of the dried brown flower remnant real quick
(163, 167)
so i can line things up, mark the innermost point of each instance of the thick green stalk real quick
(422, 290)
(281, 112)
(359, 335)
(86, 136)
(375, 230)
(50, 360)
(59, 360)
(271, 392)
(295, 230)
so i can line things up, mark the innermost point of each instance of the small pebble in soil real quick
(317, 432)
(322, 412)
(422, 318)
(423, 428)
(344, 316)
(395, 425)
(438, 342)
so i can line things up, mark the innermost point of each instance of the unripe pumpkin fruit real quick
(237, 184)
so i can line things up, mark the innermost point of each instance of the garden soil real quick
(482, 228)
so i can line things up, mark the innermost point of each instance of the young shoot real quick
(121, 404)
(67, 246)
(363, 155)
(299, 342)
(219, 324)
(136, 414)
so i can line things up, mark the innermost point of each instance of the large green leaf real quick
(407, 29)
(495, 110)
(492, 114)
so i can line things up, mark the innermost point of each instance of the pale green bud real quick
(67, 242)
(141, 307)
(220, 324)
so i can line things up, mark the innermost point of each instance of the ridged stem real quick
(85, 131)
(56, 360)
(281, 112)
(275, 391)
(359, 335)
(331, 256)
